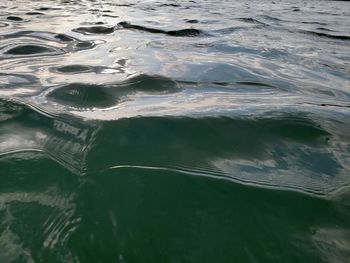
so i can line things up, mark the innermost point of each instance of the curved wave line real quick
(223, 176)
(21, 151)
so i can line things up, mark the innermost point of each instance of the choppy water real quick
(174, 131)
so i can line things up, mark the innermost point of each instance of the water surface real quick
(174, 131)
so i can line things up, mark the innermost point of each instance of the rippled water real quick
(174, 131)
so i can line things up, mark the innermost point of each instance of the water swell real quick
(234, 152)
(95, 96)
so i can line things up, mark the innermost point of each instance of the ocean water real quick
(175, 131)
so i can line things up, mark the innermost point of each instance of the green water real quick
(135, 215)
(170, 190)
(174, 131)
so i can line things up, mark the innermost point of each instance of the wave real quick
(282, 152)
(41, 43)
(28, 49)
(87, 96)
(14, 18)
(183, 119)
(94, 30)
(330, 36)
(34, 13)
(230, 149)
(251, 20)
(188, 32)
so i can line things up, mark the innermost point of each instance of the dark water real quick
(175, 131)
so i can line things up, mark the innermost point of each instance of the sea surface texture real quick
(174, 131)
